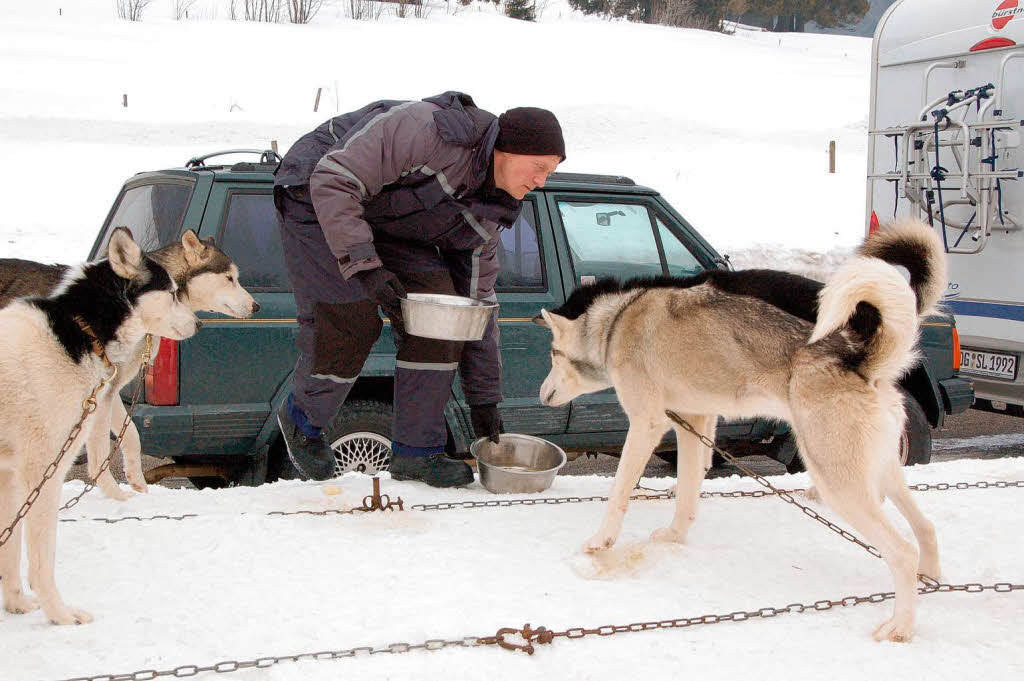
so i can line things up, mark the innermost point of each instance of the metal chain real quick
(88, 407)
(91, 483)
(111, 521)
(946, 486)
(540, 501)
(554, 501)
(228, 666)
(782, 494)
(541, 635)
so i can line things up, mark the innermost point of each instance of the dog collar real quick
(97, 347)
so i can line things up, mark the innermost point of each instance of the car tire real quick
(915, 441)
(360, 436)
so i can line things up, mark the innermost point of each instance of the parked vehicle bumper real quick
(957, 394)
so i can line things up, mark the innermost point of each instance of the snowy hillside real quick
(732, 129)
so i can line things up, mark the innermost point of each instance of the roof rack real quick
(587, 178)
(267, 156)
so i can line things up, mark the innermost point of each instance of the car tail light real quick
(162, 375)
(956, 350)
(873, 226)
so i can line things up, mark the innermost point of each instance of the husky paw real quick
(71, 616)
(118, 494)
(139, 486)
(896, 629)
(668, 534)
(812, 494)
(21, 604)
(598, 542)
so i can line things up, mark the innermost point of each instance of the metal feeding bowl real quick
(518, 463)
(435, 315)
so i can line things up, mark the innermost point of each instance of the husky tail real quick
(870, 299)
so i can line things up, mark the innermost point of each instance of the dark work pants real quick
(338, 325)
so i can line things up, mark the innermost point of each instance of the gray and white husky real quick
(762, 343)
(54, 351)
(207, 281)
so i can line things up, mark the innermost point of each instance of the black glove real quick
(486, 421)
(383, 288)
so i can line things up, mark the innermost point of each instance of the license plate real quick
(992, 364)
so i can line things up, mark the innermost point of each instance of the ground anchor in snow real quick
(380, 502)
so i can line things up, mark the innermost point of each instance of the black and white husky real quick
(760, 343)
(207, 281)
(53, 352)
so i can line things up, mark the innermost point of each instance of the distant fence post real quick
(124, 101)
(832, 156)
(316, 105)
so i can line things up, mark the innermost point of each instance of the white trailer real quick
(945, 127)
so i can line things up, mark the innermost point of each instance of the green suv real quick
(210, 401)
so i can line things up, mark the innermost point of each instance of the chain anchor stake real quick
(380, 502)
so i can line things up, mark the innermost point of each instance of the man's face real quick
(518, 174)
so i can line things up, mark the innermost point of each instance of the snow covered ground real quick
(227, 586)
(732, 129)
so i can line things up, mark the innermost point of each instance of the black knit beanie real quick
(530, 131)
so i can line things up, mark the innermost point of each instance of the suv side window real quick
(680, 260)
(249, 234)
(610, 239)
(153, 212)
(519, 253)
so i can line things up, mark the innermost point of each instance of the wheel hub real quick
(364, 452)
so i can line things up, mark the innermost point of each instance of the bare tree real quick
(303, 11)
(365, 9)
(268, 11)
(181, 8)
(131, 9)
(232, 10)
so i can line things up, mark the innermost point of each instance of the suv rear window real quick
(153, 212)
(250, 235)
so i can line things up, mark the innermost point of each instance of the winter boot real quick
(435, 469)
(305, 443)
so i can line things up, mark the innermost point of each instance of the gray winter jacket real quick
(416, 171)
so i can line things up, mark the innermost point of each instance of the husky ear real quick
(195, 249)
(124, 254)
(554, 322)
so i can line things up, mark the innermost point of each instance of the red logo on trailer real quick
(1005, 13)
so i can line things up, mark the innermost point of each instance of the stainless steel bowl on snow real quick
(518, 463)
(435, 315)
